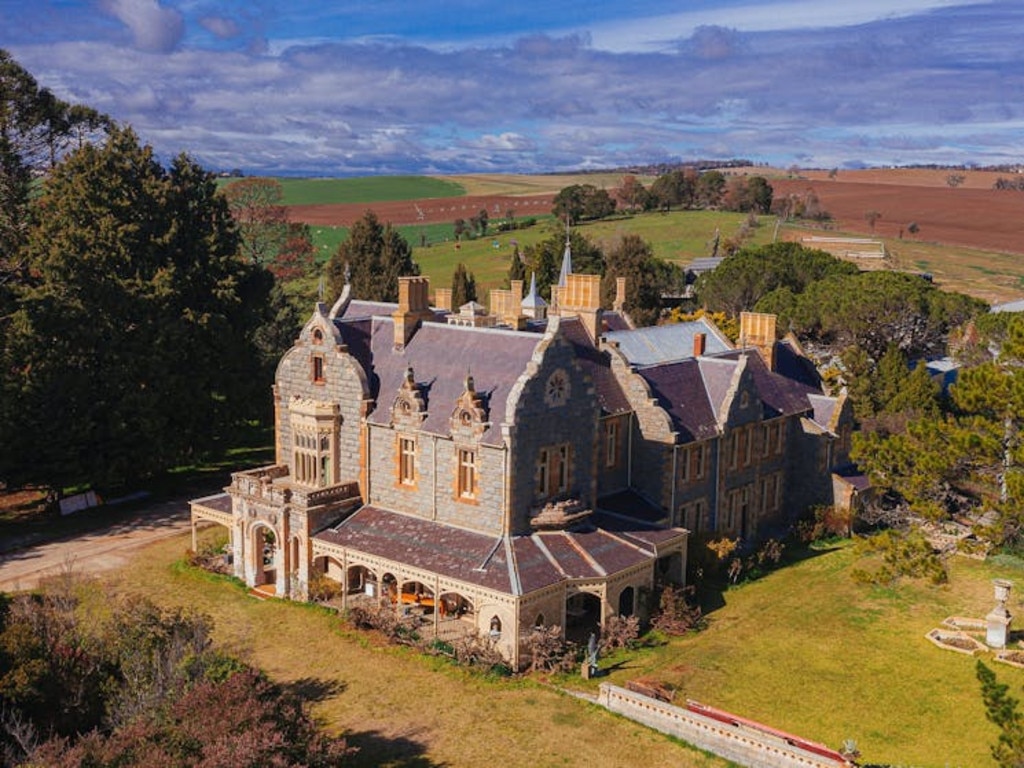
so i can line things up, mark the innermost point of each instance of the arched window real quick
(495, 631)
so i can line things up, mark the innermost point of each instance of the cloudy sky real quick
(385, 86)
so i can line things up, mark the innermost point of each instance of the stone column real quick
(998, 620)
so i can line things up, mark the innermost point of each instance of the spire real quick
(533, 305)
(563, 276)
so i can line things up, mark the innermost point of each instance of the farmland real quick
(969, 237)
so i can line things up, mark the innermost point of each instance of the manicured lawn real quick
(805, 649)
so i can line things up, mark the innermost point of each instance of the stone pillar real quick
(998, 620)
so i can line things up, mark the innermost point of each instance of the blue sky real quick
(394, 86)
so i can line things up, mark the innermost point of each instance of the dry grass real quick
(805, 649)
(524, 184)
(402, 709)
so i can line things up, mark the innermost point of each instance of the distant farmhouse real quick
(495, 471)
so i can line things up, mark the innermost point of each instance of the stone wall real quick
(738, 741)
(537, 421)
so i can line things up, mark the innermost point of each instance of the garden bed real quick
(956, 641)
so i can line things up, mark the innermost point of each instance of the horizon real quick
(394, 89)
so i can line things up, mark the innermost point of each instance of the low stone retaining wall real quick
(737, 739)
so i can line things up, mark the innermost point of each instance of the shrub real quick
(620, 632)
(902, 554)
(676, 615)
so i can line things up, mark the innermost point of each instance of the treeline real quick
(143, 686)
(683, 188)
(139, 324)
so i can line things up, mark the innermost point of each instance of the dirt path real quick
(103, 549)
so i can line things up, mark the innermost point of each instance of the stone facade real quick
(490, 479)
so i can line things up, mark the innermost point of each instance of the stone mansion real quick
(494, 470)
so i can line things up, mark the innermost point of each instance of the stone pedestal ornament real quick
(998, 620)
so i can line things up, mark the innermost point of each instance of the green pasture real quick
(365, 189)
(805, 649)
(678, 236)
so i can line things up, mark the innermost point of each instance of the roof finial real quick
(469, 380)
(563, 276)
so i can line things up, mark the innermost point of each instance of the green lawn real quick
(805, 649)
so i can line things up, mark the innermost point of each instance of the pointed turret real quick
(533, 305)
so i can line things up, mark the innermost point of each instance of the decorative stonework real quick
(469, 419)
(556, 390)
(409, 408)
(559, 515)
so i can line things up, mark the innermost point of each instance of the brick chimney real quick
(699, 343)
(757, 330)
(581, 296)
(413, 308)
(443, 298)
(620, 294)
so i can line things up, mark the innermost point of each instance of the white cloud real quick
(154, 28)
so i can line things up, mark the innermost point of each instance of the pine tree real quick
(131, 343)
(516, 267)
(463, 286)
(1001, 709)
(376, 256)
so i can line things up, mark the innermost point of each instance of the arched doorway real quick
(627, 602)
(582, 616)
(416, 596)
(360, 580)
(264, 556)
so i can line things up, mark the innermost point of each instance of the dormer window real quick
(318, 336)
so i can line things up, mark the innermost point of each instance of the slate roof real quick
(597, 365)
(692, 391)
(474, 558)
(665, 343)
(441, 356)
(681, 392)
(608, 545)
(631, 504)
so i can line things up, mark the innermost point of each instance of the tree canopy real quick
(131, 346)
(374, 255)
(545, 259)
(582, 201)
(647, 277)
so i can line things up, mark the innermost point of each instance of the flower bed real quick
(955, 641)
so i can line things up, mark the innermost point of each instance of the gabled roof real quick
(597, 365)
(441, 357)
(681, 392)
(692, 392)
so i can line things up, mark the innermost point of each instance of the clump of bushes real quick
(901, 554)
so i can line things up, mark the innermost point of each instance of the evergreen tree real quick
(376, 256)
(1001, 709)
(516, 267)
(131, 341)
(545, 258)
(463, 286)
(647, 278)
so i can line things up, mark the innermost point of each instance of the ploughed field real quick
(971, 215)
